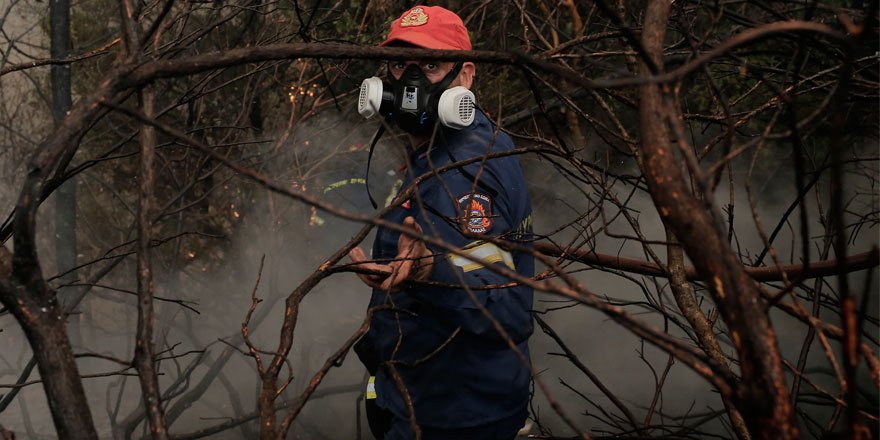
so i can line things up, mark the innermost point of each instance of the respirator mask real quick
(414, 104)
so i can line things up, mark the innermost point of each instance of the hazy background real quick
(293, 248)
(216, 272)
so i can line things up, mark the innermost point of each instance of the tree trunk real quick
(762, 397)
(45, 330)
(267, 408)
(703, 329)
(65, 197)
(144, 354)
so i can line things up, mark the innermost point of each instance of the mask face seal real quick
(414, 104)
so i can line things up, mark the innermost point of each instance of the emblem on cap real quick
(415, 17)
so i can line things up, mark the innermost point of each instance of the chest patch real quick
(475, 213)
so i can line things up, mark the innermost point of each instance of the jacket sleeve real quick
(453, 203)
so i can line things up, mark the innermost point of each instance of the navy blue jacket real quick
(476, 378)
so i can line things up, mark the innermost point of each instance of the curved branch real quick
(199, 63)
(59, 61)
(814, 269)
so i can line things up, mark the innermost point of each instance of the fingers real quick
(370, 280)
(360, 259)
(410, 222)
(409, 250)
(357, 255)
(400, 270)
(408, 243)
(421, 257)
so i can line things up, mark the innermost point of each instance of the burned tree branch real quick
(763, 398)
(816, 269)
(144, 355)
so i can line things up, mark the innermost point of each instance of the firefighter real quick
(435, 355)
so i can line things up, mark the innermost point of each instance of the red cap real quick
(430, 27)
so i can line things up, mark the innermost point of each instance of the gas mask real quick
(414, 104)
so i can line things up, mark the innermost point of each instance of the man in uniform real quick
(435, 354)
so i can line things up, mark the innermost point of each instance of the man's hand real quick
(413, 262)
(360, 259)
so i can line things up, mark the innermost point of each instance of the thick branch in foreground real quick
(44, 326)
(703, 328)
(233, 57)
(33, 304)
(762, 398)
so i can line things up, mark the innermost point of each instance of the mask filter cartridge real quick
(370, 97)
(456, 108)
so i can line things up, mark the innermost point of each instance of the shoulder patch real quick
(475, 213)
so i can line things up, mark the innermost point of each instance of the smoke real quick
(632, 369)
(294, 240)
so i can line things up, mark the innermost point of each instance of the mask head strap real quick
(373, 143)
(447, 80)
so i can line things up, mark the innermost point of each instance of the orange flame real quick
(476, 207)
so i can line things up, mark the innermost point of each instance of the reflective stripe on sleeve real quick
(371, 388)
(488, 252)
